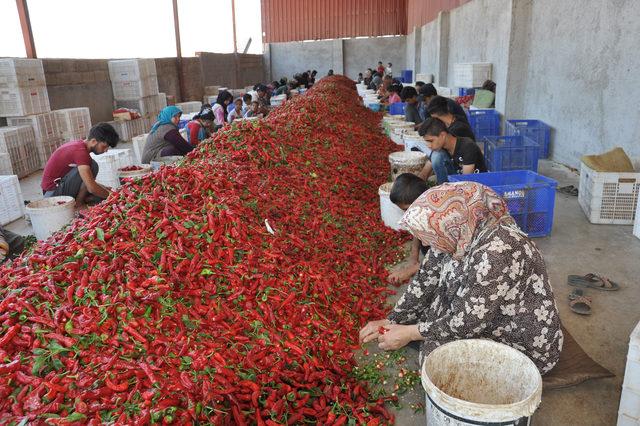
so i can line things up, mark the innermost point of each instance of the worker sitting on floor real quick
(200, 127)
(449, 154)
(164, 139)
(383, 90)
(254, 111)
(394, 94)
(263, 99)
(410, 98)
(405, 190)
(439, 108)
(428, 93)
(482, 279)
(72, 172)
(237, 111)
(11, 245)
(219, 108)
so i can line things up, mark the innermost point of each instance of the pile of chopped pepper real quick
(227, 289)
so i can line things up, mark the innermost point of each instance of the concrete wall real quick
(582, 75)
(227, 70)
(346, 56)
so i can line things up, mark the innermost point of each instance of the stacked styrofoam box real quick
(133, 79)
(109, 163)
(471, 74)
(47, 133)
(189, 107)
(127, 130)
(19, 142)
(11, 201)
(138, 147)
(609, 197)
(5, 164)
(629, 411)
(73, 123)
(23, 89)
(147, 107)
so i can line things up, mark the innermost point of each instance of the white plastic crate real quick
(132, 69)
(148, 106)
(109, 163)
(18, 72)
(11, 201)
(20, 101)
(136, 89)
(189, 107)
(629, 410)
(19, 142)
(46, 148)
(5, 164)
(447, 92)
(138, 147)
(127, 130)
(608, 198)
(636, 226)
(471, 74)
(44, 125)
(73, 123)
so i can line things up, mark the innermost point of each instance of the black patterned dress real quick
(499, 290)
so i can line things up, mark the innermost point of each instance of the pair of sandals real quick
(578, 301)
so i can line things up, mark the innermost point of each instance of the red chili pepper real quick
(9, 335)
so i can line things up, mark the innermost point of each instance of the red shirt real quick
(381, 70)
(70, 154)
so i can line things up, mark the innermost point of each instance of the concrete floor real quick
(575, 247)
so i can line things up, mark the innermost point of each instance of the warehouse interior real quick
(564, 70)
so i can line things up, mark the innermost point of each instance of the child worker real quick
(200, 127)
(236, 112)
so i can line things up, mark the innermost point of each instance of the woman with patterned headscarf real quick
(482, 278)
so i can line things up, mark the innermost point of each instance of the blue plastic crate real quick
(374, 107)
(464, 91)
(537, 130)
(530, 197)
(406, 76)
(505, 153)
(397, 108)
(484, 122)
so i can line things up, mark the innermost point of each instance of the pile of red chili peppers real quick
(228, 289)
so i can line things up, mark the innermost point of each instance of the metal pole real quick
(176, 26)
(25, 23)
(235, 41)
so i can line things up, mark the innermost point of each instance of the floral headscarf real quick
(448, 216)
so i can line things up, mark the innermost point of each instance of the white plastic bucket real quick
(390, 213)
(397, 138)
(406, 162)
(155, 164)
(417, 142)
(480, 382)
(50, 215)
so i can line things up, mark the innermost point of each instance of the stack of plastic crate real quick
(20, 143)
(23, 89)
(11, 201)
(109, 163)
(73, 123)
(135, 85)
(5, 164)
(129, 129)
(46, 130)
(189, 107)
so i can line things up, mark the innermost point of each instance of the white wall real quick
(363, 53)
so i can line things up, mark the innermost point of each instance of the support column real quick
(25, 24)
(442, 78)
(176, 27)
(337, 50)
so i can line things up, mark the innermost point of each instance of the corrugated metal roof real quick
(419, 12)
(295, 20)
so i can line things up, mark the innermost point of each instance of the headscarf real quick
(449, 216)
(165, 117)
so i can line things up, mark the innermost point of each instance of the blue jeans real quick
(442, 165)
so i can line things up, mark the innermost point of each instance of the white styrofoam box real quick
(19, 101)
(44, 125)
(109, 163)
(131, 69)
(135, 89)
(211, 99)
(138, 147)
(609, 198)
(471, 74)
(190, 106)
(5, 164)
(73, 123)
(11, 201)
(444, 91)
(19, 72)
(636, 226)
(19, 142)
(149, 106)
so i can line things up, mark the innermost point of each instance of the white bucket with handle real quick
(50, 215)
(480, 382)
(406, 162)
(390, 213)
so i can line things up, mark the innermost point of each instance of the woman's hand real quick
(371, 331)
(398, 336)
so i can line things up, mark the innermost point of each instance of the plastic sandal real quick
(595, 281)
(579, 303)
(569, 190)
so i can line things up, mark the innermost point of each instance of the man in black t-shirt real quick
(439, 108)
(450, 154)
(428, 93)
